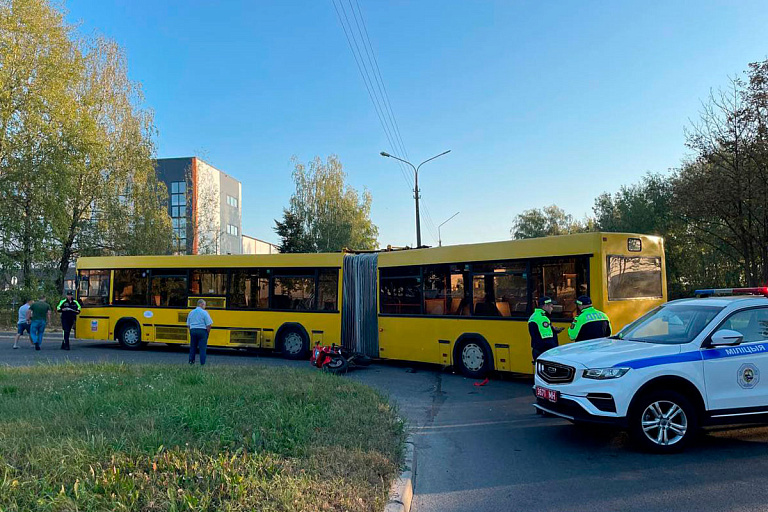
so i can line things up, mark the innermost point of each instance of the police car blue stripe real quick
(635, 364)
(687, 357)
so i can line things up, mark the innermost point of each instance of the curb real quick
(401, 492)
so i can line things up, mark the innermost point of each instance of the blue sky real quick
(539, 102)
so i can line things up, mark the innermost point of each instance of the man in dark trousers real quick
(543, 333)
(590, 323)
(69, 309)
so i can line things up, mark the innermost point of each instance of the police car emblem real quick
(748, 376)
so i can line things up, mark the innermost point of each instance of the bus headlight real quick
(604, 373)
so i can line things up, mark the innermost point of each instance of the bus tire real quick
(294, 342)
(129, 336)
(473, 357)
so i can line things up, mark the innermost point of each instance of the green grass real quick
(146, 438)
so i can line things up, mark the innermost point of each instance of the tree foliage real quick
(75, 148)
(548, 221)
(712, 211)
(325, 214)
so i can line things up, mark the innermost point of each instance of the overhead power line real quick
(356, 33)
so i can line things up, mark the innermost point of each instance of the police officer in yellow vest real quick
(590, 323)
(543, 333)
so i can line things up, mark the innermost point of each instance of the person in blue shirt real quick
(199, 323)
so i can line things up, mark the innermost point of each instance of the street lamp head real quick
(384, 153)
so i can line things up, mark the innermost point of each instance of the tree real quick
(326, 214)
(648, 207)
(38, 64)
(721, 191)
(548, 221)
(291, 233)
(75, 148)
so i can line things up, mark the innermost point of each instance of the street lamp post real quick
(439, 238)
(416, 187)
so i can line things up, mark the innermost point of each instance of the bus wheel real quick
(474, 358)
(129, 336)
(294, 343)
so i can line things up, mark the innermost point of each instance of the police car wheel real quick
(473, 359)
(663, 421)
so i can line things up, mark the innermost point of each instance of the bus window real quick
(444, 290)
(328, 290)
(169, 288)
(634, 277)
(130, 288)
(208, 282)
(500, 289)
(94, 287)
(249, 289)
(401, 291)
(294, 291)
(563, 279)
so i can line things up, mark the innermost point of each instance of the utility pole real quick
(415, 188)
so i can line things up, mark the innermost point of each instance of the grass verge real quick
(150, 437)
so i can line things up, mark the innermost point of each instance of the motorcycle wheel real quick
(337, 364)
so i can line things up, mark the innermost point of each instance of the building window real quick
(232, 230)
(179, 214)
(232, 201)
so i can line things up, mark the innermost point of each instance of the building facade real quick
(255, 246)
(204, 204)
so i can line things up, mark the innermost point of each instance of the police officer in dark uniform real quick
(69, 309)
(543, 333)
(590, 323)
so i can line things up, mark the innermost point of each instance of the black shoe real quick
(191, 362)
(65, 347)
(37, 347)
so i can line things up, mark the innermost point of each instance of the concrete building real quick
(255, 246)
(204, 204)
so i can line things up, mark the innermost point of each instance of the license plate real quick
(547, 394)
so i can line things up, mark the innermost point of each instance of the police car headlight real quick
(604, 373)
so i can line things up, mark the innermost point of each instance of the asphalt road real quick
(483, 448)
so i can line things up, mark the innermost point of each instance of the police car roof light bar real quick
(709, 292)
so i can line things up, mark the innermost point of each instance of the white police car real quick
(685, 364)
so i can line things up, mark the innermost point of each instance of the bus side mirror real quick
(726, 337)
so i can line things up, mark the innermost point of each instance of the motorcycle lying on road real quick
(337, 359)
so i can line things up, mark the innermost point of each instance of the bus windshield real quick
(672, 324)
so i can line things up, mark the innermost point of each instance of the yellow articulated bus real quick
(465, 306)
(274, 301)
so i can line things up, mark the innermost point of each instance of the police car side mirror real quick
(726, 337)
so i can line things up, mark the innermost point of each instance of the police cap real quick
(584, 300)
(546, 300)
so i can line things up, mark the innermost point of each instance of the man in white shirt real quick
(23, 324)
(199, 323)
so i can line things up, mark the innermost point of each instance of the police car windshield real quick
(671, 324)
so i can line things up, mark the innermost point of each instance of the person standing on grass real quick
(23, 324)
(69, 309)
(41, 315)
(199, 323)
